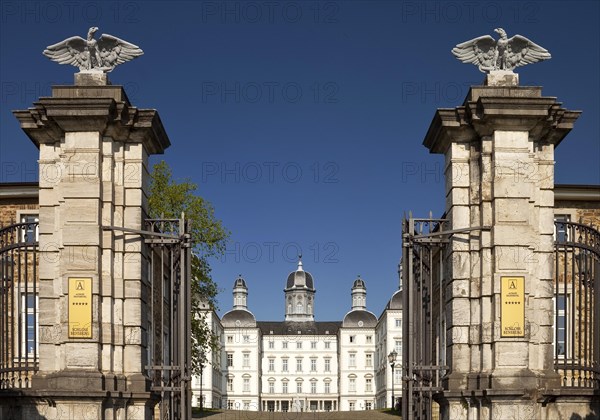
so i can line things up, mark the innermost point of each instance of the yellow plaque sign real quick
(80, 307)
(512, 316)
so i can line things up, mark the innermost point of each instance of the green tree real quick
(168, 199)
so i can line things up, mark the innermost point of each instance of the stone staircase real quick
(332, 415)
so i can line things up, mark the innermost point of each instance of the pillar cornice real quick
(109, 113)
(487, 109)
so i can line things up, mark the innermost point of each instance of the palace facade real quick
(300, 364)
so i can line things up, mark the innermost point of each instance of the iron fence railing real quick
(19, 326)
(577, 304)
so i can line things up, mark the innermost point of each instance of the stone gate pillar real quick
(93, 168)
(499, 168)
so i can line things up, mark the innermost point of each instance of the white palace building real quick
(300, 364)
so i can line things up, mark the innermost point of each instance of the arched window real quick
(299, 307)
(309, 308)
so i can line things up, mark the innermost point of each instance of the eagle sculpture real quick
(504, 54)
(92, 55)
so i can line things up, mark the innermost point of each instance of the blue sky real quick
(303, 121)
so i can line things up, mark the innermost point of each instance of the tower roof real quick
(238, 318)
(359, 283)
(240, 282)
(396, 301)
(300, 278)
(359, 318)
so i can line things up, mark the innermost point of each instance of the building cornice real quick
(19, 190)
(573, 192)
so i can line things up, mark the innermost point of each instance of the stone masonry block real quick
(513, 234)
(459, 216)
(546, 198)
(80, 189)
(82, 355)
(511, 140)
(457, 197)
(86, 210)
(132, 312)
(82, 234)
(511, 354)
(511, 210)
(510, 258)
(79, 258)
(457, 174)
(132, 174)
(82, 140)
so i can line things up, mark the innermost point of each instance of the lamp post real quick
(201, 396)
(392, 359)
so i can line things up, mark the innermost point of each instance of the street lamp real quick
(392, 359)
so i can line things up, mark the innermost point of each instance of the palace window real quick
(299, 344)
(271, 386)
(30, 324)
(352, 406)
(271, 344)
(271, 364)
(368, 384)
(328, 365)
(246, 360)
(229, 359)
(247, 384)
(398, 347)
(299, 387)
(284, 365)
(562, 339)
(313, 387)
(327, 387)
(561, 234)
(284, 345)
(299, 364)
(398, 376)
(327, 344)
(313, 344)
(352, 338)
(246, 339)
(229, 339)
(369, 360)
(398, 322)
(351, 384)
(230, 384)
(352, 360)
(369, 339)
(284, 387)
(30, 232)
(313, 365)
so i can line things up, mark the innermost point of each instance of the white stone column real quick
(499, 150)
(94, 148)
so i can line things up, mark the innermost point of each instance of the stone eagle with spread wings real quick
(92, 55)
(505, 54)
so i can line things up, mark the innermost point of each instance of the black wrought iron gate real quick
(424, 357)
(169, 314)
(169, 343)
